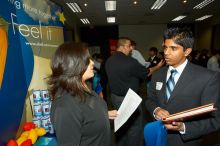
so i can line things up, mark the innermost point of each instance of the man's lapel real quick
(163, 90)
(182, 83)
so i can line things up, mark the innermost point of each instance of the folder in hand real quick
(194, 112)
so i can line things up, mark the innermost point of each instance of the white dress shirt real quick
(212, 64)
(138, 56)
(179, 70)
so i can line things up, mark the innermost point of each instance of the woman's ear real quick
(188, 51)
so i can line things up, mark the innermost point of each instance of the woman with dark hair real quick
(79, 115)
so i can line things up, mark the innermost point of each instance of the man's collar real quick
(179, 68)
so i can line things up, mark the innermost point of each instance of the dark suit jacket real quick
(196, 86)
(153, 62)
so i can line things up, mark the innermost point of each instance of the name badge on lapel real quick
(159, 85)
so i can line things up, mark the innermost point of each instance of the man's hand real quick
(155, 68)
(175, 126)
(161, 63)
(161, 113)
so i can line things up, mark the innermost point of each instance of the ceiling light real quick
(110, 5)
(111, 19)
(184, 1)
(85, 21)
(203, 17)
(74, 7)
(158, 4)
(178, 18)
(203, 4)
(85, 4)
(135, 2)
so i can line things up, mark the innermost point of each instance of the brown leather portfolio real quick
(194, 112)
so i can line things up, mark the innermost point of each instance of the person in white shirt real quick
(213, 62)
(136, 54)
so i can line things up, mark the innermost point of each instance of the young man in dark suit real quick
(153, 59)
(188, 87)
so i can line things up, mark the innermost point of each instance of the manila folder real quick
(181, 116)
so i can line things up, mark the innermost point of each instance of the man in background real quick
(137, 55)
(213, 62)
(153, 59)
(125, 72)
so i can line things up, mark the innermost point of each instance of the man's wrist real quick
(155, 112)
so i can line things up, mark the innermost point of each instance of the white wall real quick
(145, 36)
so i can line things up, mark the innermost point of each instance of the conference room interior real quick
(145, 25)
(144, 21)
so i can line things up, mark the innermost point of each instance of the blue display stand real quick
(46, 141)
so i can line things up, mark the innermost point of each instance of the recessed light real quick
(178, 18)
(135, 2)
(110, 5)
(85, 21)
(184, 1)
(74, 7)
(111, 19)
(203, 17)
(203, 4)
(85, 4)
(158, 4)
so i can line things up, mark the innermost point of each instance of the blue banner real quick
(31, 28)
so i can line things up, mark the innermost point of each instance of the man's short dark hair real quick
(181, 36)
(122, 41)
(154, 49)
(133, 43)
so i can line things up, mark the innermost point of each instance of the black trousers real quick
(131, 133)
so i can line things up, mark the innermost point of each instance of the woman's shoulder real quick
(66, 106)
(94, 100)
(66, 100)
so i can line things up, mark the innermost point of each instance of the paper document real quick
(128, 106)
(181, 116)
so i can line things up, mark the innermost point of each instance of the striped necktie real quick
(170, 83)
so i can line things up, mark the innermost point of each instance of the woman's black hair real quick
(68, 65)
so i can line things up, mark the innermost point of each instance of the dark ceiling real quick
(140, 14)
